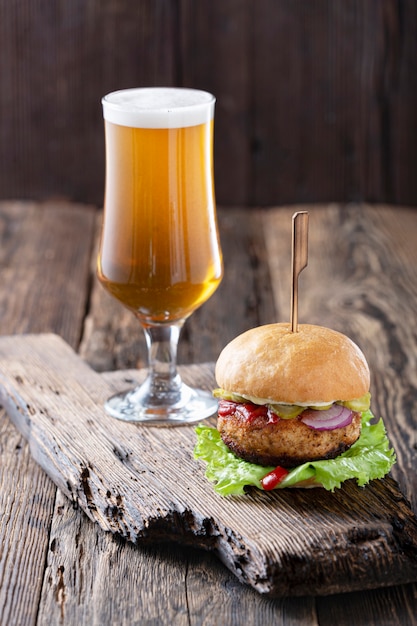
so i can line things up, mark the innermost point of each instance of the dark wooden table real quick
(56, 566)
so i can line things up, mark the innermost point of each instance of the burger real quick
(294, 411)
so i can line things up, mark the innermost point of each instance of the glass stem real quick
(163, 382)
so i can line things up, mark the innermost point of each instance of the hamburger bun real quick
(312, 366)
(271, 365)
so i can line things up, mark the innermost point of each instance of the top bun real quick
(311, 366)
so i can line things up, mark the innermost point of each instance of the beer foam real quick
(158, 107)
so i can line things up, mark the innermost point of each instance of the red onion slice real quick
(337, 416)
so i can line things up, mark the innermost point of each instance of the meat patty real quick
(287, 443)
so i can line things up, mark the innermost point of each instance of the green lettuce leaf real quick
(369, 458)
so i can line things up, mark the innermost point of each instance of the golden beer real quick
(159, 252)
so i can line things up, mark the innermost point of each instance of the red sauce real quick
(247, 411)
(271, 480)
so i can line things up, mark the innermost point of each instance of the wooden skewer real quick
(299, 260)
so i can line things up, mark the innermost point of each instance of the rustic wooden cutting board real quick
(143, 483)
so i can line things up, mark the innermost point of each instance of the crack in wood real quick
(85, 486)
(60, 591)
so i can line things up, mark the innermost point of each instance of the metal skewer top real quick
(299, 260)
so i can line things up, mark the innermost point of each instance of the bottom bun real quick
(287, 443)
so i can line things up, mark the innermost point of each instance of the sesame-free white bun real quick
(311, 366)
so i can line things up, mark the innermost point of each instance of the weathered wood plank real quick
(26, 504)
(149, 488)
(44, 249)
(393, 606)
(96, 578)
(327, 85)
(208, 586)
(95, 49)
(225, 30)
(316, 101)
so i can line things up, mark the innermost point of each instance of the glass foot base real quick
(188, 406)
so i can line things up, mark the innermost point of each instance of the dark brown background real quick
(317, 101)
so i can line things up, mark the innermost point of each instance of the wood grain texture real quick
(44, 249)
(103, 578)
(316, 102)
(381, 606)
(26, 505)
(338, 59)
(143, 484)
(97, 578)
(84, 564)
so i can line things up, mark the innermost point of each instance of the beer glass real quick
(159, 252)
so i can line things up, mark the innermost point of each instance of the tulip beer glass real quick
(159, 252)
